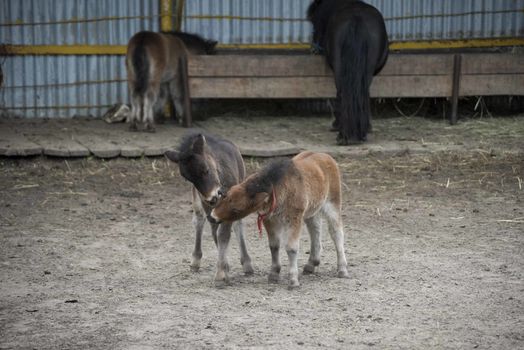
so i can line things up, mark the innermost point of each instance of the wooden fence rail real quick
(404, 75)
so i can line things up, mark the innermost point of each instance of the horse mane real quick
(269, 176)
(191, 39)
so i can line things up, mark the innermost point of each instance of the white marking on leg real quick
(292, 252)
(337, 235)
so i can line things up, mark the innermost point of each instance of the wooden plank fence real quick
(404, 75)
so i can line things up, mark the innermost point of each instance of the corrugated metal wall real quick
(69, 85)
(283, 21)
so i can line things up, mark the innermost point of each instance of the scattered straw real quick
(21, 187)
(514, 221)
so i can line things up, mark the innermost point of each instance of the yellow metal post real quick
(166, 25)
(166, 15)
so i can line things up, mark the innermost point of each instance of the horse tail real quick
(140, 63)
(354, 84)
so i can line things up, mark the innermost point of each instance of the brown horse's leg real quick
(174, 88)
(314, 227)
(292, 251)
(135, 112)
(337, 235)
(273, 235)
(149, 102)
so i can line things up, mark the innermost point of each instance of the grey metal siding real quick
(283, 21)
(65, 86)
(75, 22)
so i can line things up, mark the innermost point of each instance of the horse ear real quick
(173, 156)
(198, 145)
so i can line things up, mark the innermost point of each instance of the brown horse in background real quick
(157, 68)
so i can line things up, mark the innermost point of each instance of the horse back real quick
(319, 179)
(228, 157)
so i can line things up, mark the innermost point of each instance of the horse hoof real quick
(248, 270)
(220, 284)
(293, 285)
(194, 268)
(133, 128)
(150, 129)
(273, 278)
(342, 141)
(308, 269)
(343, 274)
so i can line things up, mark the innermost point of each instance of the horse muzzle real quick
(213, 219)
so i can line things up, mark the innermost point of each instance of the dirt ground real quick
(95, 254)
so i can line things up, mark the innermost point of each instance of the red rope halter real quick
(262, 217)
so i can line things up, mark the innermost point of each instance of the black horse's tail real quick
(354, 85)
(140, 63)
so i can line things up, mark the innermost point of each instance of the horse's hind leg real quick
(336, 232)
(149, 102)
(136, 110)
(314, 227)
(160, 104)
(175, 90)
(245, 259)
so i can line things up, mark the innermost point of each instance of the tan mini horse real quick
(285, 194)
(157, 68)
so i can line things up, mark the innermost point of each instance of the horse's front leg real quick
(273, 235)
(199, 219)
(245, 259)
(223, 236)
(292, 251)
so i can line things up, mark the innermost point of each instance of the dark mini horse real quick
(212, 165)
(352, 35)
(285, 194)
(156, 68)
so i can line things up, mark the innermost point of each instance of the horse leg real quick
(135, 112)
(336, 232)
(292, 251)
(224, 234)
(273, 234)
(335, 109)
(160, 104)
(314, 227)
(178, 100)
(245, 259)
(199, 219)
(150, 99)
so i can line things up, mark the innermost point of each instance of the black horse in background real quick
(353, 37)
